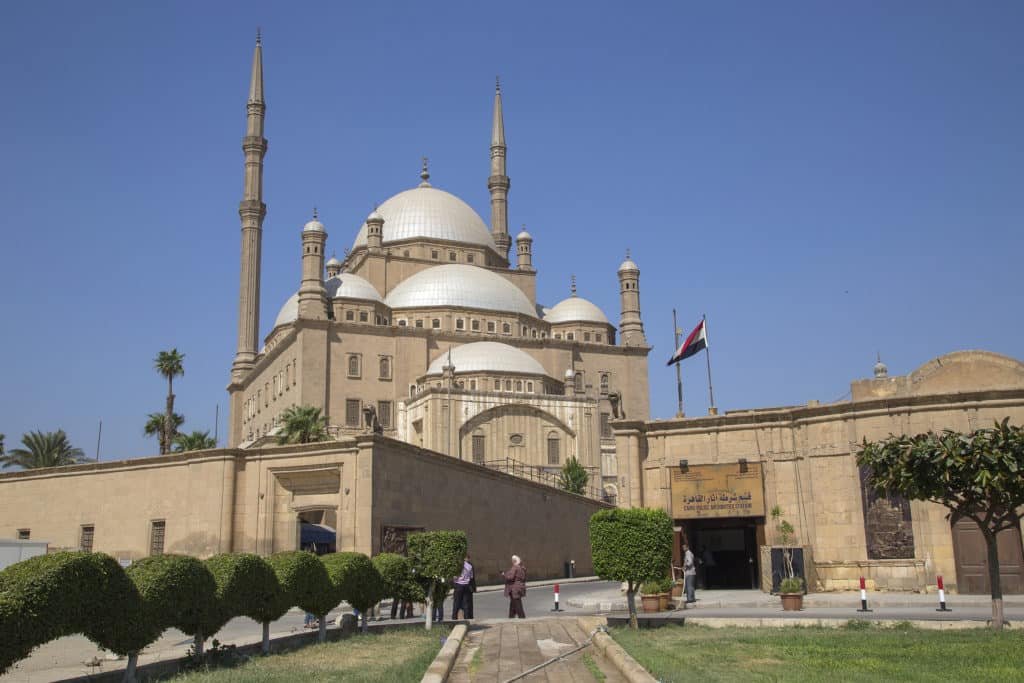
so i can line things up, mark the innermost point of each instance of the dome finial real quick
(572, 284)
(316, 216)
(425, 173)
(497, 84)
(259, 37)
(627, 253)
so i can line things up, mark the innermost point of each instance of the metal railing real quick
(550, 476)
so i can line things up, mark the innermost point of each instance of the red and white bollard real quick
(863, 596)
(556, 608)
(942, 597)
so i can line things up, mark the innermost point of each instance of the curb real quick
(777, 622)
(537, 584)
(620, 659)
(445, 659)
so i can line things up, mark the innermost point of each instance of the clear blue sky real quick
(824, 180)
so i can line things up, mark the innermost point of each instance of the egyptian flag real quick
(696, 342)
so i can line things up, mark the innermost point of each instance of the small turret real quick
(333, 267)
(524, 250)
(312, 295)
(375, 230)
(881, 369)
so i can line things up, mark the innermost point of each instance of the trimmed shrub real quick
(246, 587)
(50, 596)
(396, 572)
(304, 581)
(437, 555)
(632, 545)
(177, 591)
(355, 579)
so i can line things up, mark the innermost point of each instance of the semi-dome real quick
(349, 286)
(427, 212)
(487, 357)
(575, 309)
(462, 286)
(289, 312)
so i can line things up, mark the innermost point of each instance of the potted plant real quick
(665, 594)
(677, 588)
(649, 596)
(791, 590)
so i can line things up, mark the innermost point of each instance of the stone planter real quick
(677, 590)
(650, 603)
(664, 602)
(792, 602)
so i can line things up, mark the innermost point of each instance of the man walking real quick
(465, 584)
(689, 574)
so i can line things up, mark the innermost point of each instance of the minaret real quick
(631, 328)
(312, 295)
(251, 210)
(333, 267)
(375, 229)
(498, 183)
(524, 250)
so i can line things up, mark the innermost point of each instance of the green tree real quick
(246, 587)
(170, 365)
(632, 545)
(196, 441)
(305, 584)
(155, 423)
(436, 556)
(43, 449)
(574, 476)
(302, 424)
(978, 476)
(357, 581)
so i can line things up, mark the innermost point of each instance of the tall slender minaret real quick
(631, 328)
(251, 210)
(498, 183)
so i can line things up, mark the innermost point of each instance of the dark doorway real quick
(726, 551)
(972, 559)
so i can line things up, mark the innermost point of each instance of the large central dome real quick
(427, 212)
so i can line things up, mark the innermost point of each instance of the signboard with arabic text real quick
(707, 491)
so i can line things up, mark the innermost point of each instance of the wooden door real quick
(972, 559)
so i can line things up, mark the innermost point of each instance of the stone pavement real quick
(500, 650)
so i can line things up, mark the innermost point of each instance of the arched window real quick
(554, 448)
(472, 385)
(479, 445)
(604, 382)
(577, 382)
(508, 385)
(529, 387)
(506, 328)
(497, 385)
(519, 385)
(385, 368)
(436, 323)
(353, 365)
(412, 390)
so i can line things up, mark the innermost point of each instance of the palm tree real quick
(44, 449)
(302, 424)
(169, 364)
(196, 441)
(155, 424)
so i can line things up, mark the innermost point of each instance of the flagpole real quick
(679, 374)
(707, 353)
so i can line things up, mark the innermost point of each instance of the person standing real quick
(515, 588)
(465, 585)
(689, 574)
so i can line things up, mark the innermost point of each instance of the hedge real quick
(355, 579)
(396, 573)
(246, 586)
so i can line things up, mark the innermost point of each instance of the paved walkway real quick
(501, 650)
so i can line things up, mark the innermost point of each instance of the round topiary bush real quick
(304, 581)
(64, 593)
(396, 572)
(356, 580)
(177, 591)
(246, 587)
(436, 556)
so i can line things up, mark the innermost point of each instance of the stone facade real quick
(234, 500)
(808, 458)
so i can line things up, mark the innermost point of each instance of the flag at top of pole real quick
(696, 342)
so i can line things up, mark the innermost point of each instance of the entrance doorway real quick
(972, 559)
(726, 551)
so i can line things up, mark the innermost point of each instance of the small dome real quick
(575, 309)
(313, 226)
(881, 369)
(349, 286)
(429, 213)
(460, 286)
(487, 357)
(333, 262)
(374, 216)
(523, 235)
(289, 313)
(628, 265)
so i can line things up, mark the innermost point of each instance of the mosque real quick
(453, 398)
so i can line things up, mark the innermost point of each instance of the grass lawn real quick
(855, 653)
(389, 657)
